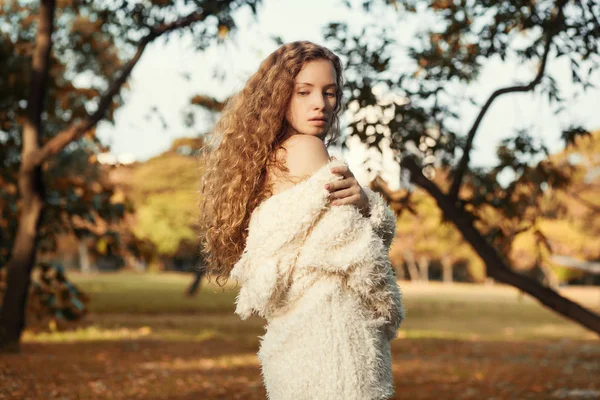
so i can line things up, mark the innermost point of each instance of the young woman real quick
(307, 243)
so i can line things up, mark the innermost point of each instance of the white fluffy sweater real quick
(321, 277)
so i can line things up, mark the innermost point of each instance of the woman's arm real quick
(277, 227)
(370, 204)
(345, 243)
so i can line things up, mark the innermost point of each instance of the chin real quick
(314, 132)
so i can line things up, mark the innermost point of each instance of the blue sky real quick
(159, 81)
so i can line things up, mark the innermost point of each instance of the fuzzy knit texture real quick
(321, 276)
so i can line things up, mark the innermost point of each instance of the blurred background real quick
(477, 121)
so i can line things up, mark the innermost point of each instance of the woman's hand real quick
(347, 190)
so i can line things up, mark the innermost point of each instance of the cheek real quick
(289, 113)
(294, 111)
(332, 103)
(292, 116)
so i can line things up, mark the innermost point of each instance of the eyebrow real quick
(310, 84)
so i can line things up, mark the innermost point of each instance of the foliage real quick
(423, 233)
(163, 191)
(84, 59)
(165, 220)
(53, 298)
(61, 73)
(569, 220)
(567, 224)
(414, 105)
(91, 42)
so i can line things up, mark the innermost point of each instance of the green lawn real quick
(152, 293)
(153, 305)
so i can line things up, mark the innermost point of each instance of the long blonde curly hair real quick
(251, 129)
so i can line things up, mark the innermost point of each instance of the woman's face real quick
(313, 99)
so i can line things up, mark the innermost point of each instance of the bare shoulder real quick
(302, 155)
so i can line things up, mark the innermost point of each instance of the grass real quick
(154, 306)
(144, 339)
(152, 293)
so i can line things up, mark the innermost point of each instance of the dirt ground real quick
(221, 368)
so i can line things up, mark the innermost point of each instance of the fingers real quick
(342, 170)
(352, 199)
(344, 193)
(341, 184)
(340, 194)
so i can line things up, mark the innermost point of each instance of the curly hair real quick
(243, 146)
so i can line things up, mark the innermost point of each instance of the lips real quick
(319, 119)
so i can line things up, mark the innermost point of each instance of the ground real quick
(145, 340)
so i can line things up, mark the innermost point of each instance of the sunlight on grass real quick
(90, 333)
(168, 327)
(223, 362)
(128, 306)
(97, 333)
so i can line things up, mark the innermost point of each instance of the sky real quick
(170, 73)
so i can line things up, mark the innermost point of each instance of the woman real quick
(308, 244)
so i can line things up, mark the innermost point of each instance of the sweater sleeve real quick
(388, 294)
(275, 234)
(382, 217)
(299, 227)
(346, 243)
(261, 277)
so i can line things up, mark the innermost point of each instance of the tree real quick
(570, 218)
(422, 237)
(414, 110)
(75, 74)
(163, 193)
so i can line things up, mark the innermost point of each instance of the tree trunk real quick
(31, 188)
(18, 279)
(399, 270)
(84, 257)
(446, 270)
(192, 290)
(424, 268)
(496, 267)
(139, 266)
(31, 191)
(413, 271)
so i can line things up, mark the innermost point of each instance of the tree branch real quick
(209, 103)
(416, 175)
(496, 266)
(464, 161)
(56, 144)
(589, 204)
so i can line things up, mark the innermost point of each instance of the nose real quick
(318, 101)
